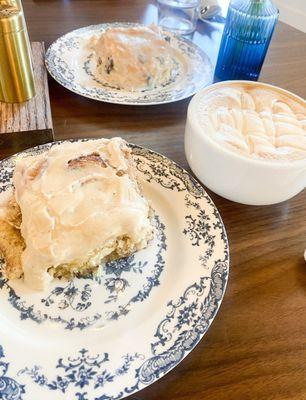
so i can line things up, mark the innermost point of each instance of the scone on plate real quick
(134, 58)
(73, 207)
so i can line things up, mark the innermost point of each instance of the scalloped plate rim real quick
(128, 103)
(196, 183)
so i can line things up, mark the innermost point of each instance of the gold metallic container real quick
(16, 70)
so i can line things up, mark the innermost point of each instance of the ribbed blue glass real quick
(246, 37)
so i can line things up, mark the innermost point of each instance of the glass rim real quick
(180, 3)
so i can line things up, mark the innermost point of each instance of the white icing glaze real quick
(258, 122)
(73, 201)
(134, 58)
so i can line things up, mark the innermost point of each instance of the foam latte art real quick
(261, 123)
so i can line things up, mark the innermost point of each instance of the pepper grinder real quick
(16, 69)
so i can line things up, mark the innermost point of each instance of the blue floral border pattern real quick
(81, 372)
(6, 177)
(151, 281)
(166, 173)
(197, 76)
(79, 299)
(10, 389)
(198, 229)
(169, 175)
(70, 296)
(28, 312)
(189, 326)
(190, 316)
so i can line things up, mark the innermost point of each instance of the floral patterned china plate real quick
(70, 61)
(108, 336)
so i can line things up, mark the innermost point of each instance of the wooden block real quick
(28, 124)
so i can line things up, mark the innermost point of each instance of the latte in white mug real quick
(259, 122)
(246, 141)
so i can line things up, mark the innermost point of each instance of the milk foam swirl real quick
(262, 123)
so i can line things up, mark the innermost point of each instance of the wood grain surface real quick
(256, 347)
(36, 113)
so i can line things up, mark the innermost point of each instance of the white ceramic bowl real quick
(237, 177)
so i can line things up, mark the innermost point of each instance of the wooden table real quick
(256, 348)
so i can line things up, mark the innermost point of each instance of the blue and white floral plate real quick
(70, 61)
(108, 336)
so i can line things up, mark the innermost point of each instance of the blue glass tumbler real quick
(246, 37)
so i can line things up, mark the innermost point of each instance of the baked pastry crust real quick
(134, 58)
(73, 207)
(11, 242)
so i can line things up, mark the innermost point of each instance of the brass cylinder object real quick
(16, 69)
